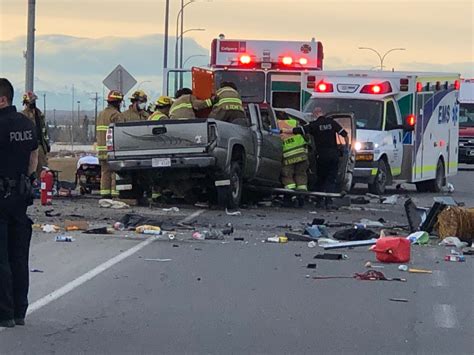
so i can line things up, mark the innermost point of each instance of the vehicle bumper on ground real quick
(364, 172)
(176, 163)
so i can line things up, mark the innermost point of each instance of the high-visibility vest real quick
(157, 115)
(295, 147)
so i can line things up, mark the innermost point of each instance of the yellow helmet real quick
(139, 95)
(164, 101)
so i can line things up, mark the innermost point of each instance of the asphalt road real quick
(100, 295)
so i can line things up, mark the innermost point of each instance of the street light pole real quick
(181, 40)
(193, 56)
(176, 55)
(30, 47)
(382, 57)
(165, 42)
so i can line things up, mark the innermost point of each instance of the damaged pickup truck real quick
(195, 157)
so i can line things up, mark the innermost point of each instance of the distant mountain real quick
(62, 61)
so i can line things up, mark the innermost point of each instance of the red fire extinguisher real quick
(47, 181)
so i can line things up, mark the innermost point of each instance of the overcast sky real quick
(436, 32)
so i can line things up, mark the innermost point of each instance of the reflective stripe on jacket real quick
(157, 115)
(106, 117)
(229, 100)
(183, 107)
(295, 147)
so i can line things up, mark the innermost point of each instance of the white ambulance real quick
(407, 123)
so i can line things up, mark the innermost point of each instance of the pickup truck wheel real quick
(230, 196)
(439, 181)
(380, 183)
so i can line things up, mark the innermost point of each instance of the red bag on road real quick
(392, 250)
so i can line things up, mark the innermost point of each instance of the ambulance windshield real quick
(368, 113)
(251, 85)
(466, 115)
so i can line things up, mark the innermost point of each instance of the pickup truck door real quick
(271, 149)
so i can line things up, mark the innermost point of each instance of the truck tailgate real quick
(160, 137)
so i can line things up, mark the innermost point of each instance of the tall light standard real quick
(78, 113)
(193, 56)
(165, 42)
(30, 47)
(176, 56)
(180, 13)
(382, 57)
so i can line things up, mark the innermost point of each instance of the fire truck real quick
(264, 71)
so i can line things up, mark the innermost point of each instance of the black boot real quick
(20, 321)
(7, 323)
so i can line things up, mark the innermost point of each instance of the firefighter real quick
(324, 130)
(162, 108)
(37, 117)
(295, 156)
(229, 107)
(186, 103)
(137, 110)
(111, 114)
(19, 152)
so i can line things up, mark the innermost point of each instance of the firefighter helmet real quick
(29, 97)
(164, 101)
(114, 96)
(139, 95)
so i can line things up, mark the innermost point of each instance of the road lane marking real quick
(445, 316)
(439, 279)
(44, 301)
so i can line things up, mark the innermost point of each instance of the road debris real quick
(71, 226)
(392, 250)
(355, 234)
(369, 265)
(359, 200)
(419, 271)
(50, 213)
(369, 223)
(101, 230)
(235, 213)
(119, 226)
(390, 200)
(328, 256)
(160, 260)
(311, 266)
(64, 238)
(370, 275)
(277, 239)
(456, 221)
(403, 267)
(398, 300)
(352, 244)
(455, 258)
(453, 242)
(148, 229)
(50, 228)
(107, 203)
(36, 270)
(312, 244)
(420, 238)
(172, 209)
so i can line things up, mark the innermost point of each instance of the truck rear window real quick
(251, 85)
(368, 114)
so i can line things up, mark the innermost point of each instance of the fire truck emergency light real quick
(245, 59)
(303, 61)
(287, 60)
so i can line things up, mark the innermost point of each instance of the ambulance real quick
(407, 123)
(264, 71)
(466, 121)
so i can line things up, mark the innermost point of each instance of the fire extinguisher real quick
(47, 181)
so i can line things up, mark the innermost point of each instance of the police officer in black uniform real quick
(324, 130)
(19, 152)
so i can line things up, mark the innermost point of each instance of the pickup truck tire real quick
(230, 196)
(380, 183)
(439, 181)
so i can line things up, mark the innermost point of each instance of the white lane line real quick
(439, 279)
(445, 316)
(96, 271)
(192, 216)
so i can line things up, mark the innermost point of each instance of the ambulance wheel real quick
(439, 181)
(230, 196)
(380, 182)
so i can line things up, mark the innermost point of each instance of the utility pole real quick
(165, 44)
(96, 100)
(30, 47)
(72, 119)
(44, 104)
(78, 113)
(181, 45)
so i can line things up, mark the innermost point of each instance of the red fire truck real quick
(264, 71)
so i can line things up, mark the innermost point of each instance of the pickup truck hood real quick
(366, 135)
(466, 131)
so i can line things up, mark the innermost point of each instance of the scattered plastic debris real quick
(317, 231)
(369, 223)
(147, 229)
(71, 226)
(392, 250)
(277, 239)
(64, 238)
(198, 236)
(369, 265)
(352, 244)
(119, 226)
(390, 200)
(448, 188)
(36, 270)
(101, 230)
(172, 209)
(171, 236)
(160, 260)
(456, 258)
(328, 256)
(312, 244)
(453, 242)
(402, 267)
(421, 238)
(107, 203)
(50, 213)
(235, 213)
(50, 228)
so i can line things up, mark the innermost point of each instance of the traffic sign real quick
(120, 79)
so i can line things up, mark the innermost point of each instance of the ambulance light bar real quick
(377, 89)
(324, 87)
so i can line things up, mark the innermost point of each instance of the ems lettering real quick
(444, 114)
(21, 136)
(325, 127)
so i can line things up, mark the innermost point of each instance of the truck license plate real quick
(160, 162)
